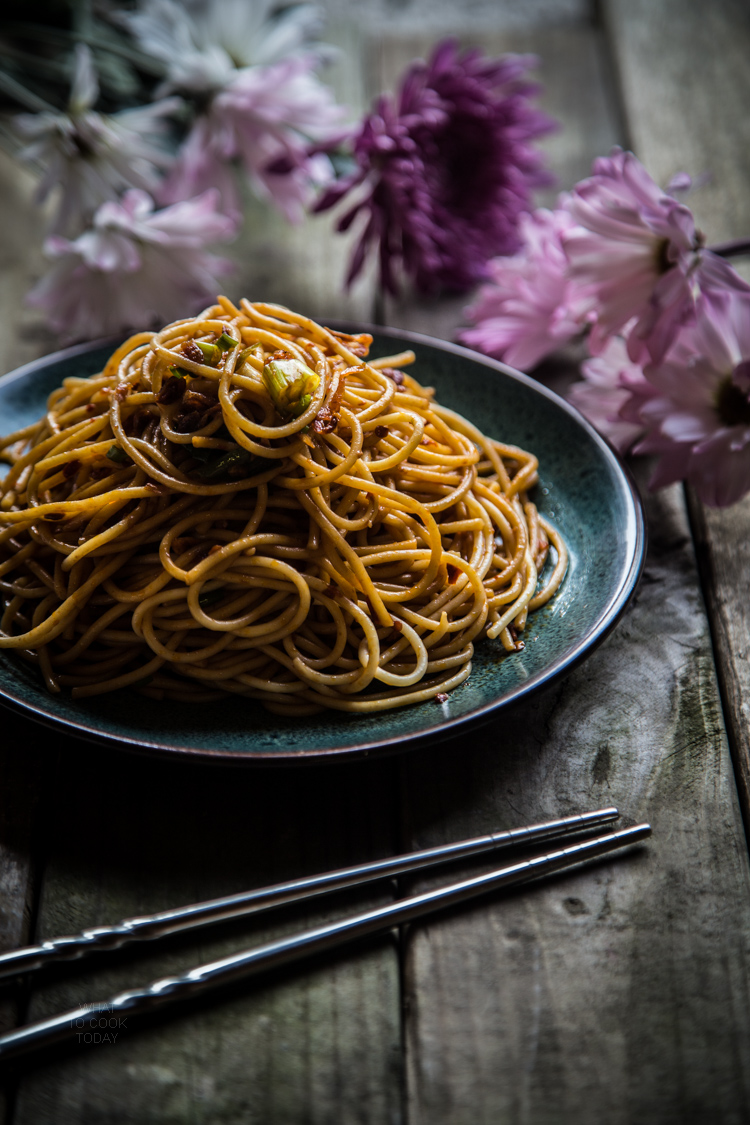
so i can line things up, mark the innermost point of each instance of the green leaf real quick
(211, 353)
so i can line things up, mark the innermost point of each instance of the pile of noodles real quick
(165, 526)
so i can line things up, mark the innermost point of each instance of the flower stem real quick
(735, 248)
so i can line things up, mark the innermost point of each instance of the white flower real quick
(135, 267)
(202, 44)
(88, 158)
(261, 104)
(261, 119)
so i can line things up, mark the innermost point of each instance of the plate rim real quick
(452, 727)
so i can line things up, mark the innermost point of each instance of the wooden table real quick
(619, 994)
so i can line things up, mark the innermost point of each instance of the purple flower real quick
(529, 307)
(134, 267)
(445, 170)
(610, 382)
(261, 103)
(88, 158)
(696, 407)
(638, 253)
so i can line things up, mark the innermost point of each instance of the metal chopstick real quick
(154, 926)
(79, 1021)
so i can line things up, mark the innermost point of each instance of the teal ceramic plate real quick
(584, 491)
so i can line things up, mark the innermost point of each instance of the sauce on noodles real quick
(241, 503)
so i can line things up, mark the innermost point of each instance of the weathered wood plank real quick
(21, 771)
(603, 996)
(443, 17)
(723, 545)
(620, 993)
(131, 836)
(127, 836)
(685, 87)
(701, 125)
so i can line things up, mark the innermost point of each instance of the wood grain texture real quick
(127, 836)
(132, 836)
(723, 546)
(686, 88)
(690, 60)
(443, 17)
(619, 993)
(21, 772)
(603, 996)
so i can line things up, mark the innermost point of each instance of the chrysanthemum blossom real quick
(88, 158)
(252, 71)
(529, 307)
(445, 170)
(134, 267)
(610, 382)
(638, 252)
(203, 43)
(266, 118)
(697, 408)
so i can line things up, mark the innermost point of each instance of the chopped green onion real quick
(291, 385)
(255, 350)
(179, 372)
(245, 366)
(301, 406)
(226, 342)
(116, 454)
(211, 353)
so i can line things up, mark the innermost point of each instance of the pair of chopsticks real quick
(88, 1018)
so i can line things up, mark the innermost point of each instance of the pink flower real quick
(530, 307)
(265, 117)
(637, 251)
(697, 412)
(610, 380)
(249, 67)
(134, 267)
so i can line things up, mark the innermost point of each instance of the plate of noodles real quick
(248, 537)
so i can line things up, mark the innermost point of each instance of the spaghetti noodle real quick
(241, 503)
